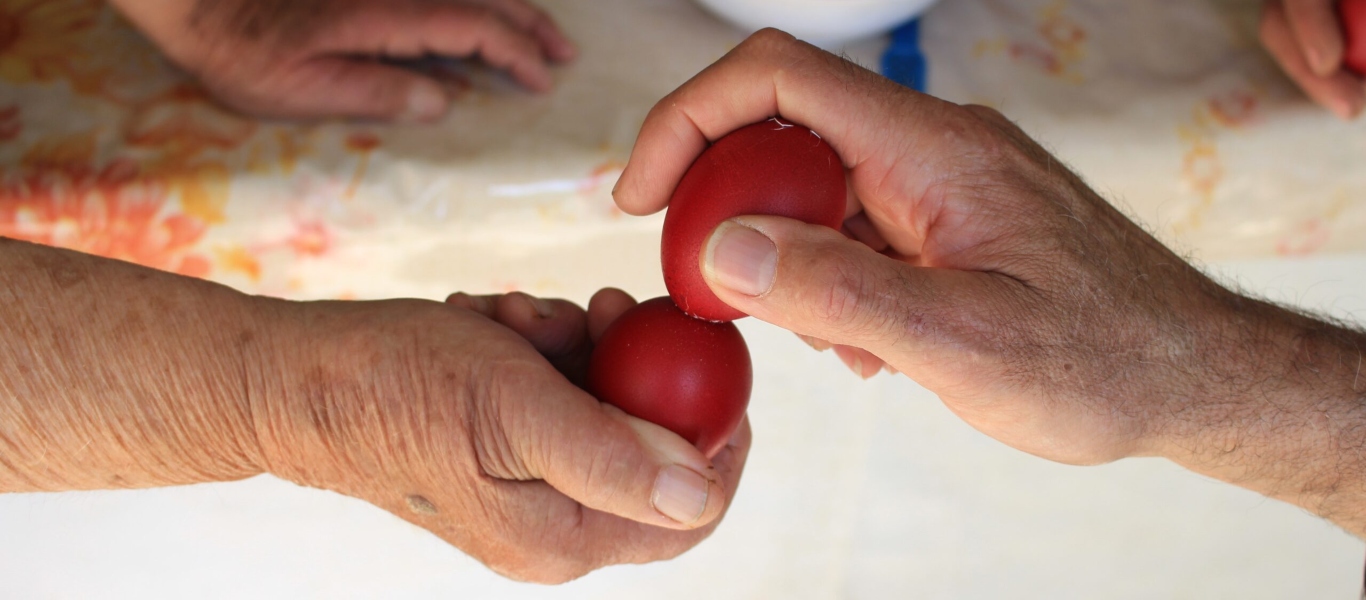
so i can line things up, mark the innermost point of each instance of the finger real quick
(554, 327)
(604, 308)
(342, 87)
(1315, 26)
(862, 362)
(1340, 92)
(544, 536)
(813, 281)
(535, 21)
(484, 305)
(817, 344)
(597, 455)
(557, 329)
(612, 540)
(773, 74)
(417, 28)
(859, 228)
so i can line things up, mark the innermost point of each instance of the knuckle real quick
(608, 469)
(770, 40)
(847, 302)
(487, 19)
(499, 455)
(985, 113)
(541, 571)
(546, 555)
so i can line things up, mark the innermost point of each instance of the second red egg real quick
(686, 375)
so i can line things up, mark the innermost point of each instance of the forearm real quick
(1283, 413)
(117, 376)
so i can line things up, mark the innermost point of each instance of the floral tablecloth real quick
(1168, 107)
(853, 489)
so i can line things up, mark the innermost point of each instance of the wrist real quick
(322, 382)
(1275, 409)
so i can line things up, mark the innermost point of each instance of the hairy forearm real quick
(117, 376)
(1283, 413)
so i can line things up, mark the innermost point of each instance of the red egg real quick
(688, 376)
(771, 168)
(1353, 14)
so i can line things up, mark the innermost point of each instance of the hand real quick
(115, 376)
(985, 270)
(318, 58)
(453, 418)
(1305, 37)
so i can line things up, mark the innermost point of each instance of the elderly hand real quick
(979, 265)
(455, 418)
(318, 58)
(461, 418)
(1305, 37)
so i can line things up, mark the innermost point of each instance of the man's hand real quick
(1305, 37)
(977, 264)
(322, 58)
(461, 417)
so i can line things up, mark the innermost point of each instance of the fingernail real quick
(1353, 105)
(479, 304)
(680, 494)
(425, 103)
(1346, 108)
(1318, 61)
(735, 435)
(890, 370)
(858, 368)
(817, 344)
(741, 259)
(543, 308)
(482, 304)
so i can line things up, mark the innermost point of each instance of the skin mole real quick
(421, 505)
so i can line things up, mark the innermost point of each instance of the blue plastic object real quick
(903, 62)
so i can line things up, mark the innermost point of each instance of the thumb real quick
(814, 281)
(346, 87)
(605, 459)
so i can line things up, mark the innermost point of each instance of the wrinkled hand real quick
(455, 418)
(979, 265)
(320, 58)
(1305, 37)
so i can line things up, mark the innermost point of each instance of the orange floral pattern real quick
(1202, 167)
(110, 211)
(1060, 45)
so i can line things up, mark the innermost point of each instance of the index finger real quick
(770, 74)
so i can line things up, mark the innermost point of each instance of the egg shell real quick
(771, 168)
(686, 375)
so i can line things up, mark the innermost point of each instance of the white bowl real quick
(825, 23)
